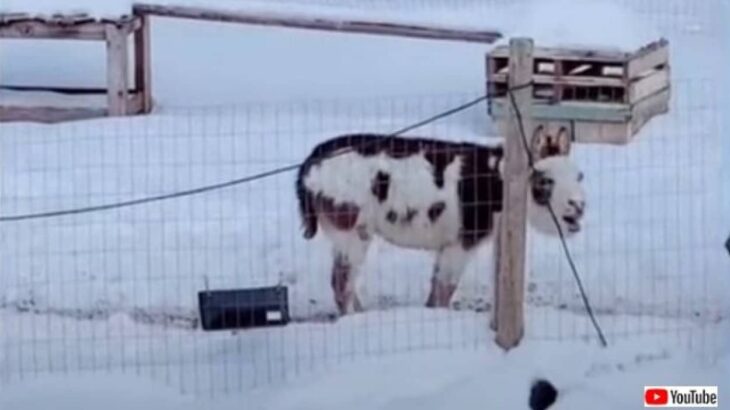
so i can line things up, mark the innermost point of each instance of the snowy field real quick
(85, 297)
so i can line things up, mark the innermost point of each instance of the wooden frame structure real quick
(121, 100)
(602, 96)
(620, 93)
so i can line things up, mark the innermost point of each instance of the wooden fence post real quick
(117, 68)
(510, 256)
(143, 64)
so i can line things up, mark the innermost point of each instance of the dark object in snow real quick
(542, 395)
(243, 308)
(727, 244)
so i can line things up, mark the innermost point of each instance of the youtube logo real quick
(681, 396)
(656, 396)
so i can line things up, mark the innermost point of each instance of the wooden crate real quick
(602, 96)
(121, 98)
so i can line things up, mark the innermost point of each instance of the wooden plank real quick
(601, 133)
(607, 56)
(606, 112)
(48, 115)
(509, 307)
(648, 57)
(649, 108)
(39, 30)
(70, 19)
(652, 84)
(54, 89)
(117, 70)
(9, 18)
(143, 63)
(320, 23)
(559, 71)
(585, 81)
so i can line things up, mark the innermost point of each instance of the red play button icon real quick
(656, 397)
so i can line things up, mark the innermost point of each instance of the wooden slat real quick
(583, 81)
(589, 55)
(647, 86)
(72, 27)
(70, 19)
(648, 57)
(604, 112)
(53, 89)
(48, 115)
(319, 23)
(9, 18)
(510, 278)
(558, 70)
(117, 70)
(36, 29)
(602, 132)
(143, 63)
(649, 108)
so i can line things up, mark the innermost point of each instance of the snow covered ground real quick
(433, 380)
(116, 291)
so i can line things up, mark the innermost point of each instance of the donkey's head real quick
(555, 183)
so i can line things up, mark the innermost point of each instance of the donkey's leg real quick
(448, 270)
(349, 252)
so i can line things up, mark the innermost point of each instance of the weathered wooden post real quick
(117, 70)
(512, 234)
(142, 62)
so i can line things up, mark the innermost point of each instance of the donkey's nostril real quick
(579, 206)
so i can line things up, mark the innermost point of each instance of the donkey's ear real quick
(562, 141)
(538, 141)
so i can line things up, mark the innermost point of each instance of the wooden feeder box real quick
(121, 99)
(602, 96)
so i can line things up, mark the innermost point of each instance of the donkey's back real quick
(413, 192)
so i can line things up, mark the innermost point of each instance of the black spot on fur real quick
(542, 395)
(541, 187)
(307, 207)
(380, 186)
(440, 159)
(391, 216)
(435, 211)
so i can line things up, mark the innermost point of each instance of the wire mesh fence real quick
(116, 290)
(650, 252)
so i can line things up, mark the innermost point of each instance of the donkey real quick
(428, 194)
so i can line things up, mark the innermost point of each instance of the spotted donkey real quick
(425, 194)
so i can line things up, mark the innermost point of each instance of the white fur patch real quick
(349, 178)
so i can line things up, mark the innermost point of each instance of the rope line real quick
(231, 183)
